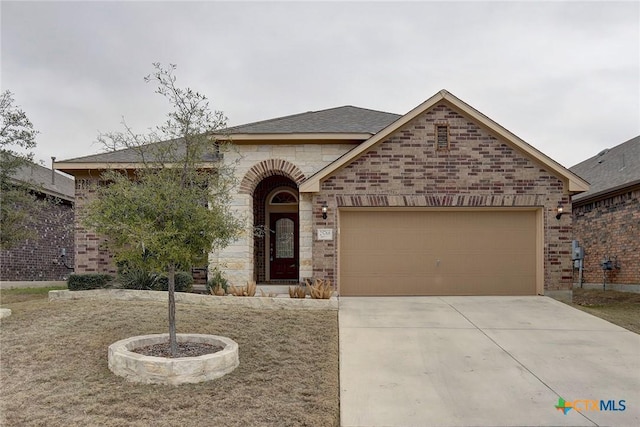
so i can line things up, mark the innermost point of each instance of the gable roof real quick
(610, 170)
(40, 178)
(573, 183)
(346, 119)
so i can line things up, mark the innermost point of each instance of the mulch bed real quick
(185, 349)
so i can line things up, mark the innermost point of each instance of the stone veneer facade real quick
(609, 227)
(254, 163)
(478, 170)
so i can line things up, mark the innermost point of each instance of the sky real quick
(563, 76)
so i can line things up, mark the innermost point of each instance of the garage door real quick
(481, 252)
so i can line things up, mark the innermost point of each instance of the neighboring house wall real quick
(406, 170)
(38, 259)
(609, 228)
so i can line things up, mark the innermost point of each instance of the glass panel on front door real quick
(284, 238)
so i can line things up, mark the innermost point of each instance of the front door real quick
(283, 250)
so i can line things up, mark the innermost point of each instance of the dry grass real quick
(54, 371)
(620, 308)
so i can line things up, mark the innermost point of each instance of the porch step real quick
(267, 289)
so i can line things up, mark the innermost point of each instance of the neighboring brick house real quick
(39, 258)
(439, 201)
(607, 217)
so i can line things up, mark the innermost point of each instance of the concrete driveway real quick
(483, 361)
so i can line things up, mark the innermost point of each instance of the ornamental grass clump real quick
(297, 292)
(268, 294)
(321, 289)
(244, 291)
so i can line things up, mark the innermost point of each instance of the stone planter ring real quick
(139, 368)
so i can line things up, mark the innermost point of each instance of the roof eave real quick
(73, 167)
(297, 136)
(44, 190)
(609, 192)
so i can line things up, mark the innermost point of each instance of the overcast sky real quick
(563, 76)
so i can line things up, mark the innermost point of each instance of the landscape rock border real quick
(139, 368)
(265, 303)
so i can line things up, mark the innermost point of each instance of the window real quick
(442, 137)
(284, 238)
(284, 198)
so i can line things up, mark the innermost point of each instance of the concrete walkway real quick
(480, 361)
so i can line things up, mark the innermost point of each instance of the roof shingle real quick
(40, 178)
(346, 119)
(610, 169)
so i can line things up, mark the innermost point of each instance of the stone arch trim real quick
(267, 168)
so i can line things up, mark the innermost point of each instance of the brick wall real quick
(91, 257)
(38, 259)
(477, 171)
(610, 228)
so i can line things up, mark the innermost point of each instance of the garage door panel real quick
(437, 252)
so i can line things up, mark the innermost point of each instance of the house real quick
(43, 257)
(607, 217)
(439, 201)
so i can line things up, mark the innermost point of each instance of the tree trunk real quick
(172, 310)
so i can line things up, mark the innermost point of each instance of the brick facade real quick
(610, 228)
(91, 257)
(38, 259)
(477, 170)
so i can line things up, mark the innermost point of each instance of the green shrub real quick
(217, 284)
(184, 282)
(138, 278)
(81, 282)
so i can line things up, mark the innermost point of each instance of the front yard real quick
(53, 366)
(53, 362)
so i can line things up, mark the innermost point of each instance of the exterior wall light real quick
(325, 208)
(560, 212)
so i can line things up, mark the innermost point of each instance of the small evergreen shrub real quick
(184, 282)
(217, 284)
(82, 282)
(138, 278)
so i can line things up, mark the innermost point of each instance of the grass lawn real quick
(53, 366)
(620, 308)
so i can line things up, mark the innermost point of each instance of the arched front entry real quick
(276, 216)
